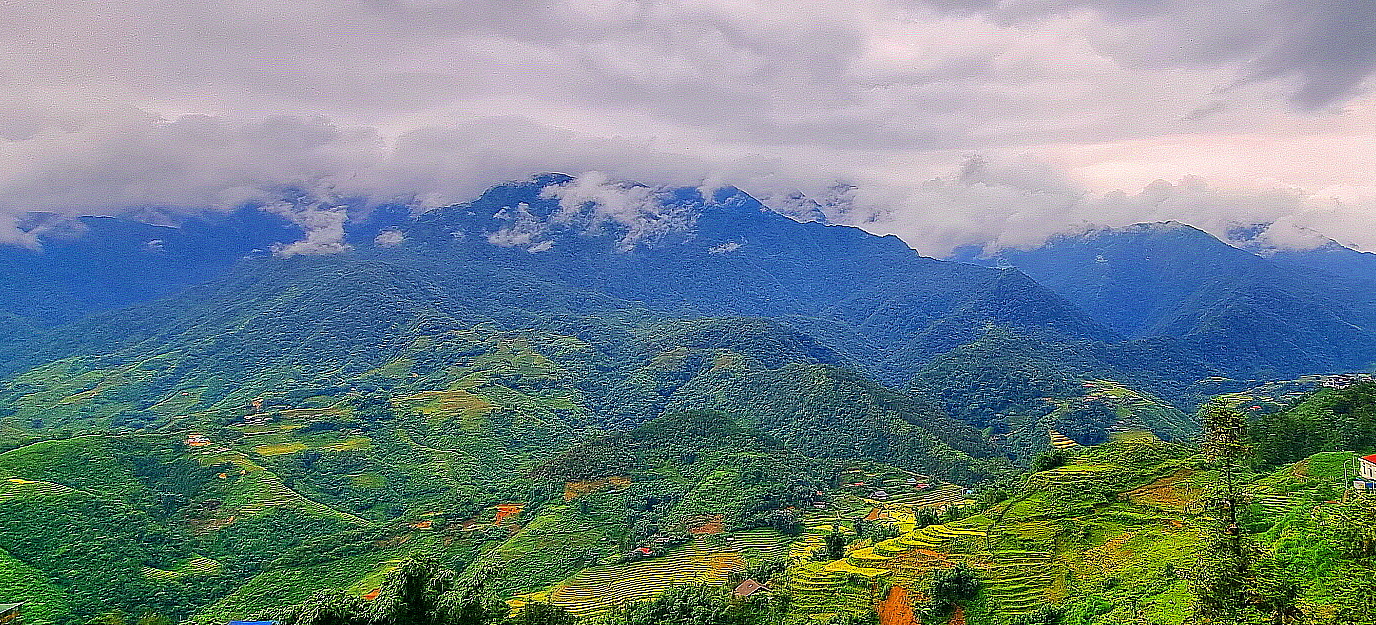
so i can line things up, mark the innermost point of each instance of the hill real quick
(1220, 304)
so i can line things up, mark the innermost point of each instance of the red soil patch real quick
(507, 510)
(423, 525)
(959, 617)
(1173, 492)
(574, 490)
(372, 594)
(709, 525)
(897, 608)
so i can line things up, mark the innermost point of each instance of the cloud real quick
(1327, 48)
(862, 110)
(593, 201)
(594, 204)
(324, 226)
(389, 238)
(1023, 202)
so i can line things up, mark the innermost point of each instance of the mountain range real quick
(572, 377)
(1165, 309)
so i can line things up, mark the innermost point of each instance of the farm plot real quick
(599, 588)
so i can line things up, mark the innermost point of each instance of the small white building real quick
(1366, 467)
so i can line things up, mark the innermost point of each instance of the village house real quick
(1366, 473)
(748, 588)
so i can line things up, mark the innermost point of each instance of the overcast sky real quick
(948, 122)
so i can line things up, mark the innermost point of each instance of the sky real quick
(947, 122)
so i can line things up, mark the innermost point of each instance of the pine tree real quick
(1222, 582)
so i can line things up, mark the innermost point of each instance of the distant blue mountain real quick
(94, 264)
(1126, 302)
(1291, 313)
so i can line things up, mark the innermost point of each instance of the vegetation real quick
(579, 435)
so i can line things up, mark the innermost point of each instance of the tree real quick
(1351, 526)
(1045, 615)
(1049, 460)
(835, 546)
(1222, 584)
(1275, 592)
(418, 592)
(950, 588)
(327, 607)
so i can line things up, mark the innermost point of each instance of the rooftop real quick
(747, 588)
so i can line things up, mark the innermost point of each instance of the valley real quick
(573, 413)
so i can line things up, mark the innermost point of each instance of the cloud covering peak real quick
(877, 112)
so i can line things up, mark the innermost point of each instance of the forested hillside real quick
(577, 397)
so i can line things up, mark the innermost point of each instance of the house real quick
(197, 440)
(9, 613)
(747, 588)
(253, 623)
(1366, 467)
(880, 495)
(644, 551)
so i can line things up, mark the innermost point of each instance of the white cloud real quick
(389, 238)
(151, 104)
(324, 226)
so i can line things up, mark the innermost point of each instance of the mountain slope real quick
(1221, 304)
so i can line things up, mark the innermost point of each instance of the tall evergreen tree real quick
(1221, 583)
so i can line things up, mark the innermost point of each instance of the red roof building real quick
(1366, 468)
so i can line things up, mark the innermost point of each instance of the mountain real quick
(93, 264)
(581, 391)
(1314, 251)
(678, 251)
(1250, 315)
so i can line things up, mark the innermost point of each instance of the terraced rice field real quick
(195, 567)
(824, 589)
(441, 405)
(18, 488)
(1019, 581)
(258, 490)
(1277, 504)
(600, 588)
(279, 449)
(1071, 476)
(935, 538)
(1062, 442)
